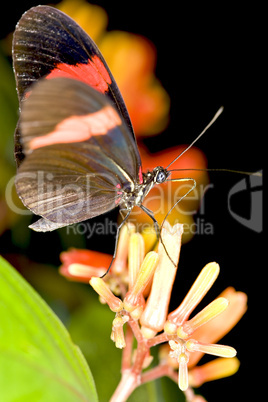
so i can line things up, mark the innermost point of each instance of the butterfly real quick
(75, 148)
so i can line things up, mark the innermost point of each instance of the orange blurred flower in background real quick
(92, 18)
(162, 198)
(131, 58)
(78, 265)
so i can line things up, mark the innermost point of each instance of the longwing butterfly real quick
(75, 148)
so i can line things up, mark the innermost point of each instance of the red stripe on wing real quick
(140, 176)
(79, 128)
(93, 73)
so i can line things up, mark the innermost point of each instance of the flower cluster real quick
(138, 291)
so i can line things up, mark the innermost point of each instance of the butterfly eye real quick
(161, 177)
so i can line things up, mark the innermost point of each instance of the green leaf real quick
(38, 360)
(90, 327)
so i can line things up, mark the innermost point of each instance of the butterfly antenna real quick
(219, 112)
(258, 174)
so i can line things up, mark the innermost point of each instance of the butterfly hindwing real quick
(79, 152)
(56, 185)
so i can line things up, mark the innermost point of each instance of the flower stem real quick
(159, 371)
(131, 377)
(129, 381)
(135, 329)
(156, 340)
(127, 351)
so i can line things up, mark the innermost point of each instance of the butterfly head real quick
(160, 174)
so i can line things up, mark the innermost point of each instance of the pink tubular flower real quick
(197, 335)
(216, 329)
(82, 265)
(133, 298)
(104, 291)
(154, 315)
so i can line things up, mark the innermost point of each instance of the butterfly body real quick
(136, 196)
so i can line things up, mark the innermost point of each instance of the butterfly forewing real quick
(49, 43)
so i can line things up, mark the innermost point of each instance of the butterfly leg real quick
(116, 241)
(157, 229)
(156, 225)
(180, 199)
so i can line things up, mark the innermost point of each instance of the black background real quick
(207, 57)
